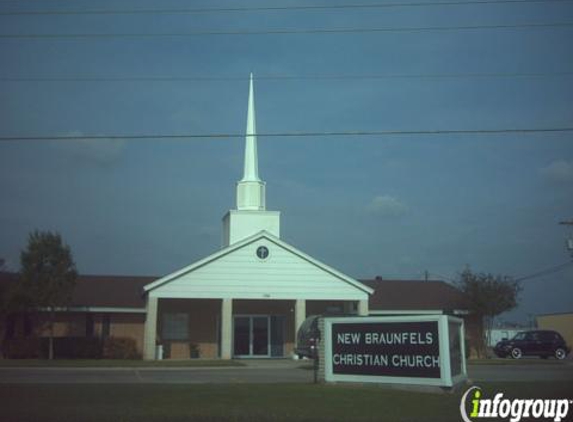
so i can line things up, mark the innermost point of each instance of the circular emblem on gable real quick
(262, 252)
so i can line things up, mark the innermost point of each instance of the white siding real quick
(240, 274)
(242, 224)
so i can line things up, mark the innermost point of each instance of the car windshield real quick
(520, 336)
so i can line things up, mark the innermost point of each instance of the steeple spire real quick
(250, 189)
(251, 215)
(251, 170)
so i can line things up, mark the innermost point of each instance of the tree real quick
(4, 306)
(488, 296)
(14, 300)
(48, 274)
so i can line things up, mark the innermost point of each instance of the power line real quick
(289, 134)
(538, 274)
(443, 277)
(204, 10)
(311, 31)
(546, 271)
(288, 77)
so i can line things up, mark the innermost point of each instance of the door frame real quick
(269, 345)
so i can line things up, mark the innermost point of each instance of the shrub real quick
(22, 348)
(88, 348)
(71, 348)
(194, 351)
(120, 348)
(64, 348)
(77, 348)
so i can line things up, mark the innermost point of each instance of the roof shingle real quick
(102, 290)
(389, 295)
(401, 295)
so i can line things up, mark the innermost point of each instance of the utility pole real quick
(569, 240)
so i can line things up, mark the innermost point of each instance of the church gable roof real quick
(236, 271)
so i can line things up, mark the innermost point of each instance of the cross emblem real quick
(262, 252)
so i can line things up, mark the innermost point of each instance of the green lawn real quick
(101, 363)
(242, 402)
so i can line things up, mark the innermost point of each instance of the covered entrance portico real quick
(188, 328)
(235, 304)
(272, 332)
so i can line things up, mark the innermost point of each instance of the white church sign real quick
(424, 350)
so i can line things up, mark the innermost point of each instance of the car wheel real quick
(516, 353)
(560, 353)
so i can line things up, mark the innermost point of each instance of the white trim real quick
(406, 312)
(417, 312)
(462, 334)
(109, 309)
(262, 234)
(444, 342)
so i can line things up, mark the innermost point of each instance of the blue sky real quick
(393, 206)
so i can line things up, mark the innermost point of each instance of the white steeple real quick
(251, 170)
(251, 189)
(251, 215)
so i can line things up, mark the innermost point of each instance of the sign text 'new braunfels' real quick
(404, 349)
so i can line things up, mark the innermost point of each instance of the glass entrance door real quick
(242, 336)
(251, 336)
(260, 336)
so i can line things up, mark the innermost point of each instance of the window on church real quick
(27, 326)
(175, 326)
(106, 326)
(334, 309)
(90, 325)
(10, 326)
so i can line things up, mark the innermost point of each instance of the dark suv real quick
(307, 338)
(543, 343)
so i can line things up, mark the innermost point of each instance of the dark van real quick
(542, 343)
(307, 338)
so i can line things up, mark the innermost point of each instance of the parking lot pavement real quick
(522, 372)
(255, 371)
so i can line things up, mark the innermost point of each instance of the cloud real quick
(386, 206)
(559, 171)
(102, 151)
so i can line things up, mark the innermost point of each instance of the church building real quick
(249, 298)
(246, 300)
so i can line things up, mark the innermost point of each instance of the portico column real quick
(363, 307)
(226, 328)
(150, 332)
(299, 315)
